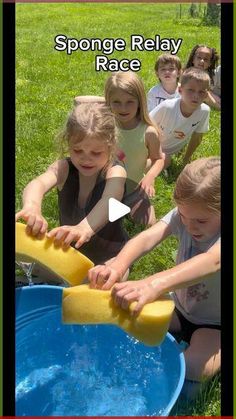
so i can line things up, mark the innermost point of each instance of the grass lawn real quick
(48, 80)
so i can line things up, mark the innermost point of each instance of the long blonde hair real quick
(130, 83)
(94, 120)
(200, 183)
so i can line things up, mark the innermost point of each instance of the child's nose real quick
(196, 95)
(192, 226)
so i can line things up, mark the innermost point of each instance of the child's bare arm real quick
(143, 243)
(157, 160)
(194, 142)
(213, 101)
(33, 195)
(183, 275)
(98, 216)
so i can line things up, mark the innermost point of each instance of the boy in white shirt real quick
(168, 70)
(184, 120)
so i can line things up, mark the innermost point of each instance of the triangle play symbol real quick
(116, 209)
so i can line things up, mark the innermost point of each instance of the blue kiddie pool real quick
(64, 370)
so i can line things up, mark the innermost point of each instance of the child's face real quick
(202, 58)
(193, 93)
(125, 108)
(89, 156)
(200, 223)
(167, 73)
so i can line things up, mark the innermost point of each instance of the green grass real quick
(48, 80)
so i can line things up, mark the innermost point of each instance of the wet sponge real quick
(68, 264)
(83, 305)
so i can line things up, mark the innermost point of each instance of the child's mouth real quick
(197, 236)
(86, 167)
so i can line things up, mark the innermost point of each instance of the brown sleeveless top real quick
(111, 238)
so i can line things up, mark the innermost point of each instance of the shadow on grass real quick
(207, 402)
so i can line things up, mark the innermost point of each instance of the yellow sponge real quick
(68, 264)
(83, 305)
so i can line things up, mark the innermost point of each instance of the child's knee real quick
(203, 356)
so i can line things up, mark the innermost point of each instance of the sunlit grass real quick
(48, 80)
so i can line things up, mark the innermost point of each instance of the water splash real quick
(27, 268)
(95, 371)
(36, 379)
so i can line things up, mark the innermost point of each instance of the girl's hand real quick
(36, 223)
(127, 292)
(103, 277)
(65, 235)
(147, 187)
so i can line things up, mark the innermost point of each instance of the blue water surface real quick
(64, 370)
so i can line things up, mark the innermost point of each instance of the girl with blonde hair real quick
(85, 181)
(194, 281)
(139, 145)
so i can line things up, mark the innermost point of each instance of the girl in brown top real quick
(85, 182)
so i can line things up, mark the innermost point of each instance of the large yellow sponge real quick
(83, 305)
(68, 264)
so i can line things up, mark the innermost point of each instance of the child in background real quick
(217, 82)
(85, 181)
(184, 120)
(138, 137)
(206, 58)
(168, 70)
(195, 280)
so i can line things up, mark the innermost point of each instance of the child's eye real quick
(96, 153)
(77, 151)
(203, 58)
(201, 221)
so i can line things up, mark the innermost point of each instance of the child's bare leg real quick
(167, 162)
(203, 356)
(152, 217)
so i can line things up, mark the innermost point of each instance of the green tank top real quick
(132, 143)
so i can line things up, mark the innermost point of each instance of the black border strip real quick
(227, 209)
(8, 209)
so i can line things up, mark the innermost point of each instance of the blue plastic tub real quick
(64, 370)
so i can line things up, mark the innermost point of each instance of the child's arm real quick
(157, 160)
(213, 101)
(33, 195)
(105, 276)
(194, 142)
(98, 216)
(183, 275)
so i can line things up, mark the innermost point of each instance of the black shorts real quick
(187, 327)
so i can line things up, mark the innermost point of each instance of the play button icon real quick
(116, 209)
